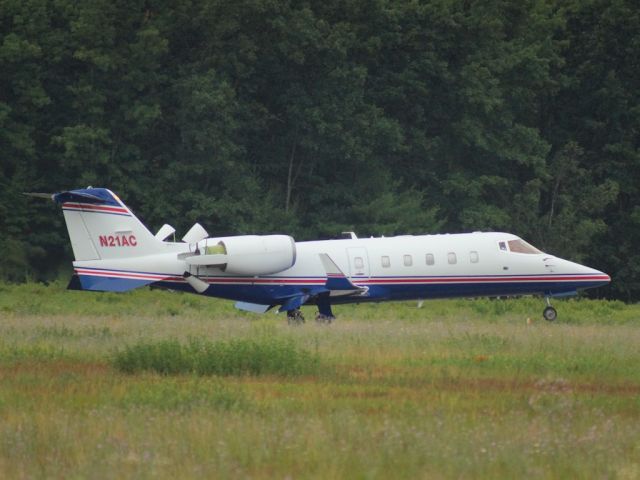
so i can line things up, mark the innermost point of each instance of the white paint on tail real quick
(102, 232)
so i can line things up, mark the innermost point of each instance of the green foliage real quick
(314, 118)
(34, 352)
(13, 263)
(181, 395)
(267, 355)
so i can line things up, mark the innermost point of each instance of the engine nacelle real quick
(254, 254)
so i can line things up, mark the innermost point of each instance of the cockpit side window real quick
(503, 246)
(520, 246)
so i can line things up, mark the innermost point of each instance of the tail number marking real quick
(118, 240)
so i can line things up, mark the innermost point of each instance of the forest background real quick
(312, 118)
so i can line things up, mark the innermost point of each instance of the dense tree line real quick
(379, 116)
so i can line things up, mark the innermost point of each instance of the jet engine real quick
(246, 254)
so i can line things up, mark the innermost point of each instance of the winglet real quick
(337, 281)
(329, 265)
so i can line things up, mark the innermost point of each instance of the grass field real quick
(456, 389)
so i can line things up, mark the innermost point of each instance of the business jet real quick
(115, 252)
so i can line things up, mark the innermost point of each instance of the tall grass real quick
(151, 384)
(55, 300)
(267, 355)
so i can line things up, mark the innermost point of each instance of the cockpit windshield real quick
(520, 246)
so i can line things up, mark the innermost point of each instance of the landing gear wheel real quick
(327, 319)
(550, 314)
(295, 317)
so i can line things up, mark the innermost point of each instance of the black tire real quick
(324, 319)
(296, 318)
(550, 314)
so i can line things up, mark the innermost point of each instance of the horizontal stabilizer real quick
(252, 307)
(46, 196)
(77, 196)
(337, 282)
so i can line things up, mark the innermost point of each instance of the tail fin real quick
(101, 227)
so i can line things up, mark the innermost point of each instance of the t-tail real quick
(104, 234)
(101, 227)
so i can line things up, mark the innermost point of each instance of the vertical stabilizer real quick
(102, 227)
(81, 243)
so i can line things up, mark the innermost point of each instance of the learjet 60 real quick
(115, 252)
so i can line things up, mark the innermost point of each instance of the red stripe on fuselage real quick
(558, 278)
(267, 281)
(131, 275)
(96, 208)
(357, 281)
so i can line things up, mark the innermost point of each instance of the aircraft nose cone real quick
(588, 277)
(599, 278)
(603, 277)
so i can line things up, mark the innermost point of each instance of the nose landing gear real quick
(549, 313)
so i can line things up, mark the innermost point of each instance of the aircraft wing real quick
(337, 282)
(294, 302)
(252, 307)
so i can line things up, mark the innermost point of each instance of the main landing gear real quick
(549, 313)
(295, 317)
(325, 314)
(322, 318)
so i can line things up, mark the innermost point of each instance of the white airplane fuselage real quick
(115, 252)
(493, 272)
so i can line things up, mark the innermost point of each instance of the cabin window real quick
(408, 260)
(520, 246)
(358, 263)
(430, 259)
(451, 258)
(386, 263)
(473, 256)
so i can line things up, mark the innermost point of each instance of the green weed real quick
(177, 395)
(13, 353)
(54, 299)
(261, 356)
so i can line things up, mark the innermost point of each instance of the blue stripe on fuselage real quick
(270, 294)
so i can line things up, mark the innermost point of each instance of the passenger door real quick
(358, 262)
